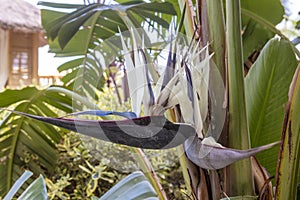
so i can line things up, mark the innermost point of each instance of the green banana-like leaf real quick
(86, 75)
(246, 197)
(134, 186)
(18, 184)
(102, 21)
(24, 142)
(79, 32)
(288, 167)
(36, 190)
(254, 34)
(267, 86)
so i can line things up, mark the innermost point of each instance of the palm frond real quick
(30, 144)
(81, 32)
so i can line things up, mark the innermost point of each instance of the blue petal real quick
(101, 113)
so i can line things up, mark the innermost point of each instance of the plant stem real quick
(189, 17)
(240, 174)
(149, 172)
(115, 85)
(289, 156)
(203, 19)
(217, 34)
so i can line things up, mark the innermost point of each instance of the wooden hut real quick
(21, 34)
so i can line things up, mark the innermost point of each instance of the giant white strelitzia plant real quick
(184, 87)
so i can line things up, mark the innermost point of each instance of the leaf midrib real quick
(16, 137)
(264, 105)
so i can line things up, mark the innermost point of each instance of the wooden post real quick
(9, 82)
(35, 46)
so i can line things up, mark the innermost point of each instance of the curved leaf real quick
(68, 25)
(254, 34)
(134, 186)
(79, 32)
(86, 78)
(268, 9)
(59, 5)
(54, 26)
(70, 64)
(267, 85)
(36, 190)
(17, 185)
(70, 28)
(244, 197)
(288, 167)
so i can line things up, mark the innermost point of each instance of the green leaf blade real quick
(70, 28)
(267, 85)
(264, 7)
(288, 166)
(134, 186)
(17, 185)
(59, 5)
(20, 136)
(256, 35)
(36, 190)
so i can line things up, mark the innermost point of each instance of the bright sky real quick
(48, 63)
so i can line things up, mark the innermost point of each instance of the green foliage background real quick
(88, 167)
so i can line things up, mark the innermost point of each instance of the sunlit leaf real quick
(134, 186)
(21, 136)
(254, 34)
(36, 190)
(80, 31)
(267, 85)
(68, 25)
(17, 185)
(288, 166)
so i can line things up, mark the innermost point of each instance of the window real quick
(21, 67)
(21, 59)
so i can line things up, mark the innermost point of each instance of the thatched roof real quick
(19, 15)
